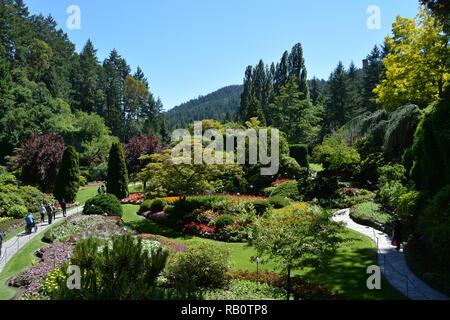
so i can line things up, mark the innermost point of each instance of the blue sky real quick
(188, 48)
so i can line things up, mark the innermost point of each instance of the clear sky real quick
(188, 48)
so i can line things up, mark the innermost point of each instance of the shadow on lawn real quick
(347, 272)
(147, 226)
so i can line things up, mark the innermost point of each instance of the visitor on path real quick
(99, 190)
(397, 236)
(49, 213)
(54, 211)
(63, 207)
(30, 223)
(1, 243)
(43, 212)
(103, 189)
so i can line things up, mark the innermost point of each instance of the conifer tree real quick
(68, 178)
(117, 178)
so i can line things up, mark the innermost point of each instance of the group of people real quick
(101, 189)
(48, 209)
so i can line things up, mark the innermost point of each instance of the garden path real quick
(13, 245)
(392, 262)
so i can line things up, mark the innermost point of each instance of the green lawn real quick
(23, 259)
(86, 193)
(346, 272)
(316, 167)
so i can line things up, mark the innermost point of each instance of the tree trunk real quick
(288, 284)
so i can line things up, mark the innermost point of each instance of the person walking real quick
(30, 222)
(43, 212)
(397, 236)
(63, 207)
(1, 243)
(103, 189)
(54, 211)
(49, 213)
(99, 190)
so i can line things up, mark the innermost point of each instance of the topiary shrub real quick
(261, 206)
(290, 169)
(68, 178)
(300, 153)
(279, 202)
(224, 220)
(203, 263)
(288, 189)
(103, 203)
(157, 205)
(17, 212)
(117, 179)
(145, 206)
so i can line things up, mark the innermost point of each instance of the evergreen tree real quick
(68, 178)
(246, 94)
(254, 110)
(373, 71)
(117, 179)
(336, 98)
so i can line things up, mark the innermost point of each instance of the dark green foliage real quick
(212, 106)
(145, 206)
(261, 206)
(203, 263)
(400, 131)
(157, 205)
(367, 172)
(436, 222)
(68, 178)
(224, 220)
(103, 203)
(288, 189)
(127, 271)
(300, 153)
(279, 202)
(290, 169)
(117, 179)
(430, 152)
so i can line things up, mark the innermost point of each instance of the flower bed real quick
(81, 227)
(235, 204)
(134, 198)
(232, 233)
(51, 256)
(167, 243)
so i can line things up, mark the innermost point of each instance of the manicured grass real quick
(23, 259)
(346, 272)
(86, 193)
(369, 211)
(136, 188)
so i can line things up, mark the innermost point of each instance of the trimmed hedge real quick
(103, 203)
(300, 153)
(225, 220)
(261, 206)
(288, 189)
(157, 205)
(279, 202)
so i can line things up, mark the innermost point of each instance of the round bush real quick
(17, 211)
(203, 263)
(288, 189)
(157, 205)
(261, 206)
(103, 203)
(225, 220)
(145, 206)
(279, 202)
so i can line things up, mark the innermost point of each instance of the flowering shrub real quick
(277, 182)
(165, 242)
(52, 257)
(236, 204)
(134, 198)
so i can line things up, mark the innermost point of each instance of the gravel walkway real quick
(392, 262)
(14, 244)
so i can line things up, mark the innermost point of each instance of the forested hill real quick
(215, 106)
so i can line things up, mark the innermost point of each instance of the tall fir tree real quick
(117, 178)
(68, 178)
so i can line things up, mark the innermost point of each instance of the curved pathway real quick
(14, 244)
(392, 262)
